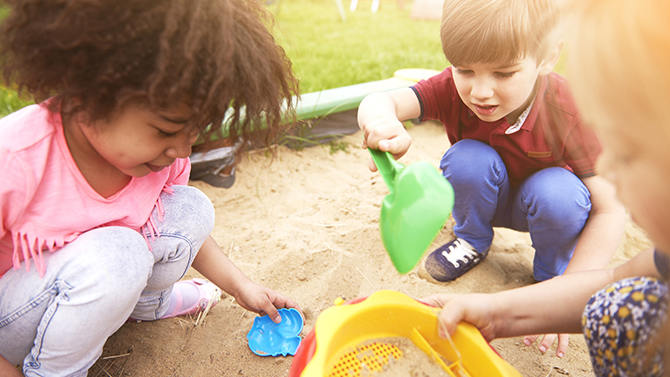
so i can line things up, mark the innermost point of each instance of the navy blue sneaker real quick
(452, 260)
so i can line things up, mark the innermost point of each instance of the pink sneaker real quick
(207, 290)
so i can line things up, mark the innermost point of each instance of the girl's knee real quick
(113, 254)
(190, 207)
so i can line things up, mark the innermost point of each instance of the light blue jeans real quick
(57, 325)
(552, 205)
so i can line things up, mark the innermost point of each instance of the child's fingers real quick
(563, 341)
(278, 301)
(530, 339)
(272, 312)
(372, 166)
(437, 301)
(387, 146)
(447, 321)
(290, 304)
(546, 342)
(376, 135)
(396, 146)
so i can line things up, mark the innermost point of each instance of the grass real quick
(328, 53)
(10, 101)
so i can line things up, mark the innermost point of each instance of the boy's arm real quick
(380, 116)
(603, 229)
(213, 264)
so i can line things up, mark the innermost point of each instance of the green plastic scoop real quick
(412, 215)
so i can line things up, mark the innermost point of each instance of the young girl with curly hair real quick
(97, 223)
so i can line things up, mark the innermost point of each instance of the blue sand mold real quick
(267, 338)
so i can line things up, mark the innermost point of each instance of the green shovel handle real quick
(388, 167)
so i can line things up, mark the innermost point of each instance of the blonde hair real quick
(619, 64)
(498, 31)
(619, 68)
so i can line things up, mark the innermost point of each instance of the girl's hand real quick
(473, 308)
(7, 369)
(259, 299)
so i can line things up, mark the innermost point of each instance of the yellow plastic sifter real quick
(343, 333)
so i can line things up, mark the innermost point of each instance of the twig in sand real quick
(181, 323)
(323, 225)
(230, 251)
(243, 313)
(115, 356)
(366, 278)
(201, 316)
(331, 249)
(460, 370)
(105, 370)
(551, 369)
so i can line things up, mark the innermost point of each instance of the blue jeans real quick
(57, 325)
(552, 205)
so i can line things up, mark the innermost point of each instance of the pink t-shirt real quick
(45, 201)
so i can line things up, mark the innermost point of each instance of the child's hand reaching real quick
(259, 299)
(472, 308)
(213, 264)
(487, 312)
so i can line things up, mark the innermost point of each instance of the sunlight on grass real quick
(328, 53)
(10, 101)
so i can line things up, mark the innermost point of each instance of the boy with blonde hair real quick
(519, 156)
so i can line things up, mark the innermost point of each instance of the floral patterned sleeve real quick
(620, 321)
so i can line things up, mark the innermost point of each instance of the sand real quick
(307, 225)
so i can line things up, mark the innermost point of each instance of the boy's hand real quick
(259, 299)
(547, 340)
(380, 117)
(387, 135)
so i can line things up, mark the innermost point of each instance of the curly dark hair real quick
(217, 56)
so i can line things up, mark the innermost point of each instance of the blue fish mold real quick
(267, 338)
